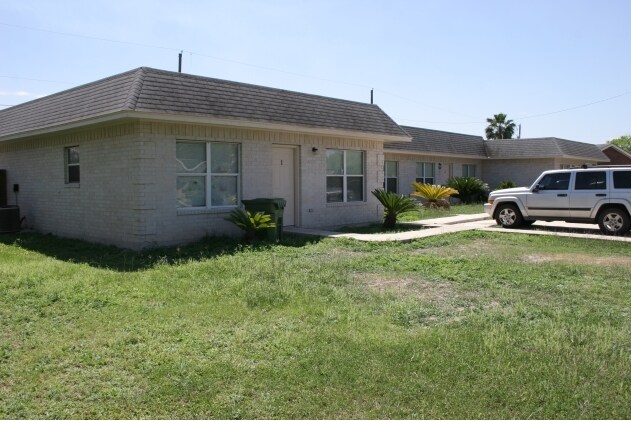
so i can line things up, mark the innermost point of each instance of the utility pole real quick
(371, 95)
(519, 133)
(179, 66)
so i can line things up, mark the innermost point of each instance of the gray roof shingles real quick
(158, 91)
(439, 142)
(542, 147)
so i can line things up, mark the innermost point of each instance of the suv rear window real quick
(591, 180)
(622, 179)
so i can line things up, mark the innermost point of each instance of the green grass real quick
(423, 213)
(467, 325)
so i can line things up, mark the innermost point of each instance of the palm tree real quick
(499, 127)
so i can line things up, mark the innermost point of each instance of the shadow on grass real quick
(378, 228)
(125, 260)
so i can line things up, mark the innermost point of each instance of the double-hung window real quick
(344, 175)
(71, 161)
(207, 174)
(468, 170)
(425, 172)
(390, 178)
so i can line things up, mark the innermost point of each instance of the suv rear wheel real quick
(613, 221)
(509, 216)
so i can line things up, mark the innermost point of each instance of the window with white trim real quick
(390, 181)
(207, 174)
(425, 172)
(468, 170)
(72, 166)
(344, 175)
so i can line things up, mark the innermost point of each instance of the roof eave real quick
(256, 124)
(424, 153)
(584, 158)
(183, 118)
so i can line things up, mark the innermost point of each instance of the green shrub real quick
(249, 223)
(506, 184)
(436, 196)
(394, 205)
(470, 189)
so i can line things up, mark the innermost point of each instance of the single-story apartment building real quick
(151, 158)
(434, 156)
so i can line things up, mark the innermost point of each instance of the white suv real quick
(599, 195)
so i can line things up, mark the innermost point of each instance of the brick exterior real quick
(449, 167)
(127, 193)
(126, 196)
(615, 157)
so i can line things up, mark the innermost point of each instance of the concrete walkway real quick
(480, 221)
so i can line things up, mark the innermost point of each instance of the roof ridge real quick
(233, 82)
(135, 89)
(440, 131)
(558, 145)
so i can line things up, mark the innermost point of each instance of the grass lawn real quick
(466, 325)
(423, 213)
(378, 228)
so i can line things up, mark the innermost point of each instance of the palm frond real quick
(432, 192)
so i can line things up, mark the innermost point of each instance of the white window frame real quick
(208, 175)
(345, 176)
(422, 178)
(396, 176)
(466, 170)
(67, 164)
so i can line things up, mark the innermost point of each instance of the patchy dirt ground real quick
(583, 258)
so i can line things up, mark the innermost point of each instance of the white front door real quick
(284, 179)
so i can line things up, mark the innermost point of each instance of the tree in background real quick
(500, 127)
(623, 142)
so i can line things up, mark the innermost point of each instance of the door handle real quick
(601, 195)
(562, 195)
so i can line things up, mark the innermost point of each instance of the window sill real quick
(72, 185)
(201, 211)
(345, 204)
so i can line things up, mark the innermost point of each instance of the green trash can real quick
(270, 206)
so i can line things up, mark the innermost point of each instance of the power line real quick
(89, 37)
(576, 107)
(295, 74)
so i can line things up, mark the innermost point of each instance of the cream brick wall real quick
(522, 171)
(177, 226)
(127, 193)
(99, 207)
(407, 168)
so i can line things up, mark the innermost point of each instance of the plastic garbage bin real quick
(274, 207)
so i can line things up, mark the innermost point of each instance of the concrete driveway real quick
(480, 222)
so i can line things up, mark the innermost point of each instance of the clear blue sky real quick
(445, 65)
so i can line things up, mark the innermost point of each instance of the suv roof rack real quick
(584, 166)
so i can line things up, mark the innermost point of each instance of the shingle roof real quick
(158, 91)
(542, 147)
(439, 142)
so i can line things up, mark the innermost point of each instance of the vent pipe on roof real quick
(371, 95)
(179, 66)
(519, 133)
